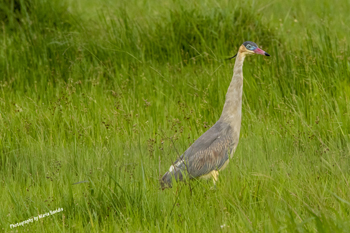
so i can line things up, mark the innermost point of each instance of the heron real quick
(212, 151)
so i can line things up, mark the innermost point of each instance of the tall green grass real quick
(110, 93)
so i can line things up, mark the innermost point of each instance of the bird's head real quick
(250, 48)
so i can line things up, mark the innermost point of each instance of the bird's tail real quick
(166, 181)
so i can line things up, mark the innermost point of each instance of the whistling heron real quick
(211, 152)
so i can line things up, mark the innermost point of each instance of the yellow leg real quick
(215, 175)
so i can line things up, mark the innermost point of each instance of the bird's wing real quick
(209, 152)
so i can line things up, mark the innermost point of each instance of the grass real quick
(109, 93)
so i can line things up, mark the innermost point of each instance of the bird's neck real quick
(232, 111)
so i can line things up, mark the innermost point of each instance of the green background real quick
(112, 91)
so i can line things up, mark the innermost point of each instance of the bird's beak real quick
(260, 51)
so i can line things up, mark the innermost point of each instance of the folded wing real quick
(209, 152)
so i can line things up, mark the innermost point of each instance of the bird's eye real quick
(250, 47)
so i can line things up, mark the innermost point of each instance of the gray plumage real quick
(212, 151)
(209, 152)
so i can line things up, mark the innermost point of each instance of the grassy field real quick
(109, 92)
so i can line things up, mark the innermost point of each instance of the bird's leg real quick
(215, 175)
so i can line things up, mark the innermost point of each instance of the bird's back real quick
(209, 152)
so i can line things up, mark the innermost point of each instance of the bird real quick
(212, 151)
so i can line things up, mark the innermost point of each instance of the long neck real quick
(232, 111)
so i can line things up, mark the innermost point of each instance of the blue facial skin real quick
(250, 47)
